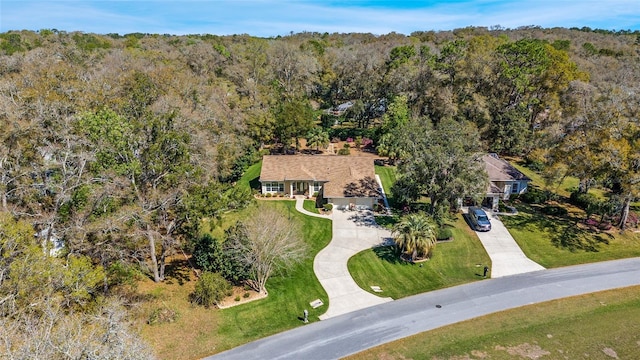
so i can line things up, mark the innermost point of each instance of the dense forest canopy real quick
(120, 144)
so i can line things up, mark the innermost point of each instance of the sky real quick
(268, 18)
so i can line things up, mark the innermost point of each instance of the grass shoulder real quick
(556, 329)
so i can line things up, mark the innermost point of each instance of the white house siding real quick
(508, 188)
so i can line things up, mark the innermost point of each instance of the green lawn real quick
(554, 241)
(310, 205)
(593, 326)
(251, 176)
(453, 263)
(388, 178)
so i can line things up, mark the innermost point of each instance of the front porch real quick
(291, 188)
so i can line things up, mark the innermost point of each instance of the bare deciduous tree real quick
(271, 243)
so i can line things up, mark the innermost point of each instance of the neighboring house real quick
(505, 180)
(344, 181)
(340, 109)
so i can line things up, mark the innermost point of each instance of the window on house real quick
(274, 187)
(515, 188)
(316, 186)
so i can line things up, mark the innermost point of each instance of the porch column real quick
(291, 189)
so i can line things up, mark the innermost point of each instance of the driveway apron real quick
(353, 231)
(506, 256)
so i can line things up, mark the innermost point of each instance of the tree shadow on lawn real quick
(178, 270)
(387, 221)
(565, 233)
(389, 254)
(255, 183)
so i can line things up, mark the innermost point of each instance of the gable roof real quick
(341, 174)
(500, 170)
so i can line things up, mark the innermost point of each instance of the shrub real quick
(246, 295)
(315, 194)
(327, 207)
(344, 151)
(268, 195)
(210, 289)
(535, 196)
(535, 160)
(554, 210)
(214, 256)
(588, 202)
(237, 298)
(584, 200)
(444, 233)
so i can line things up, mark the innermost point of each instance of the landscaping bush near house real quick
(535, 196)
(584, 200)
(327, 207)
(444, 233)
(210, 289)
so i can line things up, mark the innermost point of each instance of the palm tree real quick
(415, 235)
(317, 138)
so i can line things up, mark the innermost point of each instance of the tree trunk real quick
(625, 212)
(163, 256)
(154, 259)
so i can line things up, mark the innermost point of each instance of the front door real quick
(299, 187)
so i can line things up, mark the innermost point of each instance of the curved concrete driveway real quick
(506, 256)
(361, 330)
(353, 231)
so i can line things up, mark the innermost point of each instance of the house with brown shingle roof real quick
(504, 180)
(344, 181)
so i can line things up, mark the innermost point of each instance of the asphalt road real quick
(363, 329)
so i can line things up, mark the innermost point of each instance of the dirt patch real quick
(240, 296)
(525, 350)
(479, 354)
(610, 352)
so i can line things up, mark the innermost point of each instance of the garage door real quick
(344, 203)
